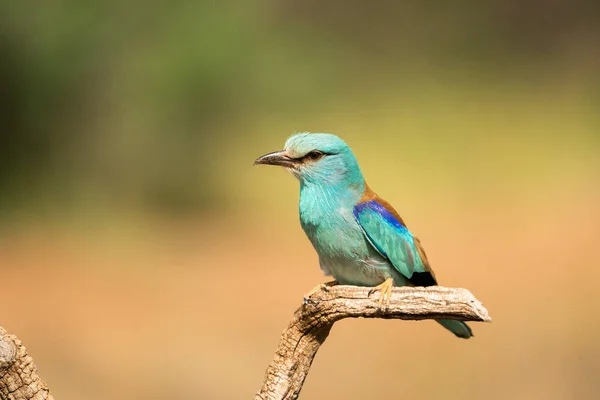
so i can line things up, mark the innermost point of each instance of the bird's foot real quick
(386, 292)
(322, 286)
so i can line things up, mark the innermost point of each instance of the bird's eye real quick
(314, 155)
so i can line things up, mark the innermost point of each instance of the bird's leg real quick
(318, 288)
(386, 292)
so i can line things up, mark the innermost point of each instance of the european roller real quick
(359, 237)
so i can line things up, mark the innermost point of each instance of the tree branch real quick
(18, 374)
(326, 305)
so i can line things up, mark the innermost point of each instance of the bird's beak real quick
(276, 158)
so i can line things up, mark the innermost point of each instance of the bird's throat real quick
(319, 203)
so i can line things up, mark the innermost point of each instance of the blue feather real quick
(392, 239)
(375, 206)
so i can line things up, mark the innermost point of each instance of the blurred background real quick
(142, 256)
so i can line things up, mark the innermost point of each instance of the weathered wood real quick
(326, 305)
(18, 374)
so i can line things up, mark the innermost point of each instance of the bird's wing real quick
(386, 231)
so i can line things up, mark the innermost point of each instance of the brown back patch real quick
(370, 195)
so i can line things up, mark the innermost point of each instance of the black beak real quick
(276, 158)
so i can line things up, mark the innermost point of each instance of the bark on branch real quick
(18, 374)
(326, 305)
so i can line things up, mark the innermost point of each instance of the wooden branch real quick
(18, 374)
(327, 304)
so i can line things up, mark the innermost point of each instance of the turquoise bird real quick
(359, 237)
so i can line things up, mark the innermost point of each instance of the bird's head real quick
(317, 158)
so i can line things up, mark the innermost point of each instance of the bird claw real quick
(386, 292)
(322, 286)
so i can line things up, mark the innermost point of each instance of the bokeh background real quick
(142, 256)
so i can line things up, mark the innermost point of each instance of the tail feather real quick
(459, 328)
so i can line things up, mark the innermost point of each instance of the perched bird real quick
(359, 237)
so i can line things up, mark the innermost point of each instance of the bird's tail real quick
(459, 328)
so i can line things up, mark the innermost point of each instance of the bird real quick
(360, 238)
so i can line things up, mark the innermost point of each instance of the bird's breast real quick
(333, 231)
(343, 250)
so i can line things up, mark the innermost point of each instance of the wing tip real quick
(422, 279)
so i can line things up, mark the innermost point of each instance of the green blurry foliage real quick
(142, 104)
